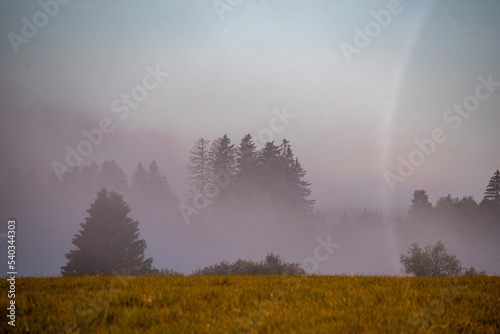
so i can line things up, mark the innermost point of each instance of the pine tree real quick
(490, 205)
(157, 182)
(108, 242)
(296, 189)
(269, 168)
(140, 180)
(198, 166)
(112, 176)
(246, 161)
(492, 192)
(222, 157)
(222, 166)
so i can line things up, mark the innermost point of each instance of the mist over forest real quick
(242, 202)
(236, 130)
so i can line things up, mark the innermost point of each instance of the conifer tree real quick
(108, 242)
(492, 192)
(140, 180)
(222, 166)
(198, 166)
(246, 161)
(112, 176)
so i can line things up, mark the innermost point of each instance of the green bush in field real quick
(272, 265)
(434, 261)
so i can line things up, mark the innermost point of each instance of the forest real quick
(245, 192)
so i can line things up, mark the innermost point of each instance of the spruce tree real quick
(139, 180)
(246, 161)
(112, 176)
(198, 166)
(492, 192)
(269, 168)
(108, 242)
(222, 166)
(157, 182)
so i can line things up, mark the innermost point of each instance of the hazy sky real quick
(230, 71)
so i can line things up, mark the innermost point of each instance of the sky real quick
(233, 66)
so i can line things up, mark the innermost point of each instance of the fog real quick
(416, 106)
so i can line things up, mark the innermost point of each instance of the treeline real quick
(463, 212)
(25, 192)
(218, 170)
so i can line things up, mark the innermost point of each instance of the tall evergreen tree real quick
(269, 168)
(492, 192)
(490, 205)
(246, 161)
(222, 165)
(140, 180)
(112, 176)
(297, 190)
(157, 182)
(222, 156)
(198, 166)
(108, 242)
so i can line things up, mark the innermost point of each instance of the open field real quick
(261, 304)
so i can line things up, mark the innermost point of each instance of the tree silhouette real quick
(432, 261)
(246, 161)
(492, 192)
(108, 242)
(139, 182)
(222, 165)
(197, 168)
(420, 208)
(112, 176)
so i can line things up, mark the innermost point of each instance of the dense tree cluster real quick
(463, 211)
(273, 173)
(25, 192)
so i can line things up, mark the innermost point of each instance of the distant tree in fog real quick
(198, 166)
(420, 208)
(492, 192)
(140, 180)
(108, 242)
(490, 205)
(156, 180)
(112, 176)
(245, 171)
(269, 166)
(246, 159)
(446, 208)
(222, 165)
(296, 189)
(432, 261)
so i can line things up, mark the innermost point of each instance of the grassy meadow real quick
(255, 304)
